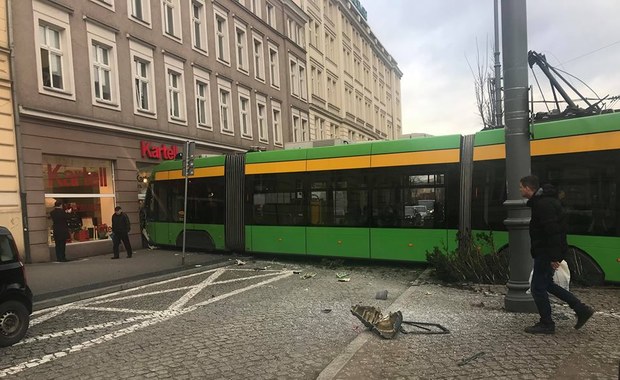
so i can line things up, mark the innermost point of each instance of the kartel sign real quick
(158, 152)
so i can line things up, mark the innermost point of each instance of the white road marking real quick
(150, 317)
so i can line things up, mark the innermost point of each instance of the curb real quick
(74, 297)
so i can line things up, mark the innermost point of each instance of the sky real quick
(436, 41)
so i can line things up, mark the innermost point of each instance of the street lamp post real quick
(514, 42)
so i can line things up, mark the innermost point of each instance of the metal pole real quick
(185, 158)
(514, 42)
(498, 74)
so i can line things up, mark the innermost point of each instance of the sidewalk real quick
(56, 283)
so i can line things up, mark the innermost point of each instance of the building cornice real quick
(118, 128)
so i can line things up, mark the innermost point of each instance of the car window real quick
(6, 253)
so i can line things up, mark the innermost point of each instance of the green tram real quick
(393, 200)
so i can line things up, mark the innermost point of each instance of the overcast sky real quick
(433, 40)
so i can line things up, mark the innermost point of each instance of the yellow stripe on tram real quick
(339, 163)
(443, 156)
(276, 167)
(213, 171)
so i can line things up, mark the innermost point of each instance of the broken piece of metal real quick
(388, 326)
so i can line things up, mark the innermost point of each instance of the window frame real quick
(261, 121)
(222, 53)
(174, 67)
(100, 38)
(245, 113)
(202, 78)
(276, 123)
(274, 66)
(175, 8)
(241, 48)
(225, 87)
(50, 17)
(259, 57)
(202, 27)
(138, 52)
(146, 12)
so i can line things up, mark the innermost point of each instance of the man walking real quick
(548, 230)
(120, 229)
(60, 230)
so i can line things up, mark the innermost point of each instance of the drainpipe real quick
(18, 138)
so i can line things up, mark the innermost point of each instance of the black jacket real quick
(59, 223)
(120, 224)
(548, 226)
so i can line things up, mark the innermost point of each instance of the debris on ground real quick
(388, 326)
(296, 271)
(469, 359)
(239, 262)
(381, 295)
(326, 311)
(308, 275)
(478, 304)
(343, 277)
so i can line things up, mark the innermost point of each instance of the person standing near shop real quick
(120, 230)
(548, 230)
(60, 230)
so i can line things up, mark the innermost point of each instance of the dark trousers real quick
(542, 284)
(61, 243)
(117, 242)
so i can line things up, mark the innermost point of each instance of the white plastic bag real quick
(560, 277)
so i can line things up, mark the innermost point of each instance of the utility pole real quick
(498, 74)
(518, 159)
(187, 169)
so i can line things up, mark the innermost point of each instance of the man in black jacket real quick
(60, 230)
(548, 230)
(120, 228)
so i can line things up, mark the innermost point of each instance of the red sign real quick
(76, 177)
(159, 152)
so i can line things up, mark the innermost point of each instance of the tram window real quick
(278, 199)
(338, 199)
(206, 200)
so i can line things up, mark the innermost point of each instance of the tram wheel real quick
(584, 270)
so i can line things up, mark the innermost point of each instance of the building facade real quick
(106, 89)
(354, 82)
(10, 202)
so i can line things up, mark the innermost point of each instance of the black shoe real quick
(541, 328)
(582, 316)
(114, 257)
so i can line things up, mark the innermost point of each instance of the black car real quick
(15, 295)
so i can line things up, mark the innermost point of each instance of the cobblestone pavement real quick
(261, 320)
(486, 342)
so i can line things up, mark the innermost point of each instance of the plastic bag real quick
(560, 277)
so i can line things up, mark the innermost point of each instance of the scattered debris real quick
(478, 304)
(428, 293)
(239, 262)
(296, 271)
(326, 311)
(469, 359)
(197, 265)
(387, 327)
(381, 295)
(308, 275)
(343, 277)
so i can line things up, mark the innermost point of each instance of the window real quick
(225, 112)
(245, 114)
(54, 57)
(276, 123)
(105, 3)
(259, 58)
(140, 10)
(296, 126)
(303, 87)
(271, 15)
(175, 90)
(305, 132)
(86, 188)
(199, 30)
(203, 99)
(256, 8)
(171, 18)
(277, 199)
(221, 33)
(206, 200)
(142, 73)
(339, 198)
(298, 78)
(274, 66)
(241, 43)
(104, 72)
(261, 114)
(293, 74)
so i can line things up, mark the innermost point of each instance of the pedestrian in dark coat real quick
(120, 230)
(60, 230)
(548, 229)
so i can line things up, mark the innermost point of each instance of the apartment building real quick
(106, 89)
(354, 83)
(10, 202)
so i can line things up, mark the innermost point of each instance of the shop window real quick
(86, 188)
